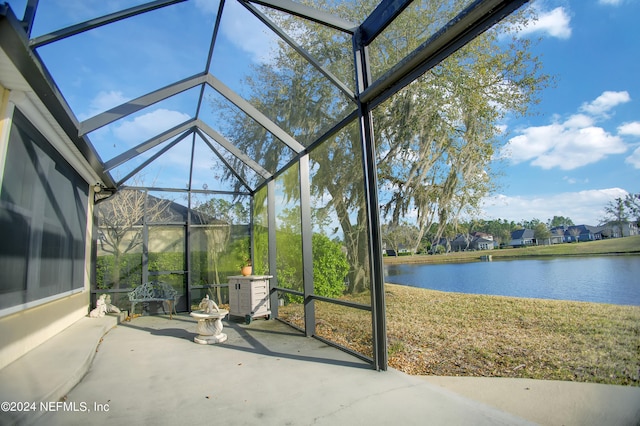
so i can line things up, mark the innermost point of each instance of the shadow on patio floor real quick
(149, 371)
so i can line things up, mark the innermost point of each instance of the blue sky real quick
(578, 153)
(582, 149)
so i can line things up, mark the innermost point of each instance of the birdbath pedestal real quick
(209, 327)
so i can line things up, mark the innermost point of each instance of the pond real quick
(602, 279)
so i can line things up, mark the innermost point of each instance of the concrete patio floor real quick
(149, 371)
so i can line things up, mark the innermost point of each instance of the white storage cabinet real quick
(249, 296)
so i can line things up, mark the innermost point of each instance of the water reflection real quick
(603, 279)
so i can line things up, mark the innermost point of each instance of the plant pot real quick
(246, 270)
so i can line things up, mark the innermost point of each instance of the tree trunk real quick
(115, 271)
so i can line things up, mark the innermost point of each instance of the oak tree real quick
(435, 139)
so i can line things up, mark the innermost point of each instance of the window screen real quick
(43, 210)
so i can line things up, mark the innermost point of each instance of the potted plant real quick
(246, 268)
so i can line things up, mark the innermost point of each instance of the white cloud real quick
(574, 142)
(148, 125)
(605, 102)
(555, 23)
(562, 145)
(632, 129)
(533, 142)
(247, 33)
(583, 207)
(610, 2)
(103, 101)
(634, 158)
(572, 181)
(207, 6)
(575, 148)
(579, 120)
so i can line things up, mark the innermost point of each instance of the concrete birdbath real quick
(209, 326)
